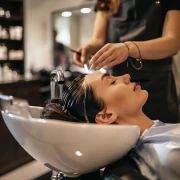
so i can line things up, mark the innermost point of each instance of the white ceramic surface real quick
(72, 148)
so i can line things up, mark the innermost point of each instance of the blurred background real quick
(36, 37)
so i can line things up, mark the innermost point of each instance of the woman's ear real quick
(105, 117)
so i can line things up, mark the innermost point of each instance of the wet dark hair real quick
(79, 104)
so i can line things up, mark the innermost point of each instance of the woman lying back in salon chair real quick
(105, 99)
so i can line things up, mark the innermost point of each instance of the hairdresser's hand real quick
(86, 52)
(109, 56)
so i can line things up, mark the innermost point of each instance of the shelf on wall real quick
(15, 8)
(12, 21)
(12, 18)
(10, 40)
(14, 60)
(17, 64)
(12, 1)
(16, 11)
(13, 44)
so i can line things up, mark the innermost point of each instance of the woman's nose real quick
(126, 78)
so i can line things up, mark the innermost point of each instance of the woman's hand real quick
(109, 56)
(86, 52)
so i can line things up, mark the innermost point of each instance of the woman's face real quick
(118, 93)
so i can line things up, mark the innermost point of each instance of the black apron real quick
(141, 20)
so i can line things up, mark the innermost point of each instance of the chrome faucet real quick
(57, 81)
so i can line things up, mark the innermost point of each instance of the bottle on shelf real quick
(3, 52)
(1, 12)
(4, 13)
(7, 72)
(16, 54)
(0, 31)
(7, 14)
(18, 30)
(11, 37)
(11, 33)
(1, 73)
(4, 34)
(15, 32)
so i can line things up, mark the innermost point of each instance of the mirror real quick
(71, 28)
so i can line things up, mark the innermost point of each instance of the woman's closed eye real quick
(113, 82)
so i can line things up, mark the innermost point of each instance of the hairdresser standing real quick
(142, 35)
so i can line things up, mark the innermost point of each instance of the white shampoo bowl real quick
(71, 148)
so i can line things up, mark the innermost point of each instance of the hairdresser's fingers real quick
(109, 55)
(119, 51)
(111, 64)
(101, 52)
(77, 58)
(103, 59)
(86, 53)
(106, 61)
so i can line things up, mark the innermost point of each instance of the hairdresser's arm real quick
(165, 46)
(97, 41)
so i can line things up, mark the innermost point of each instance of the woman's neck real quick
(140, 120)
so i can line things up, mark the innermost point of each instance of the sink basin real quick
(71, 148)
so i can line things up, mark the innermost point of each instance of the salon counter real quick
(12, 155)
(27, 88)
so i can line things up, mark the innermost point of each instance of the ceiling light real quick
(66, 14)
(85, 10)
(78, 153)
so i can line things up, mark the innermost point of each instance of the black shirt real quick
(154, 24)
(165, 4)
(170, 5)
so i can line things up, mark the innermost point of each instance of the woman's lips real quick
(137, 87)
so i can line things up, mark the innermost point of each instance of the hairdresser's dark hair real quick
(79, 104)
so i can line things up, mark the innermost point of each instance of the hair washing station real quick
(69, 148)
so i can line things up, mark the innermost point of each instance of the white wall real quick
(38, 32)
(86, 27)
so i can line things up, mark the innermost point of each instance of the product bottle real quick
(1, 74)
(4, 51)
